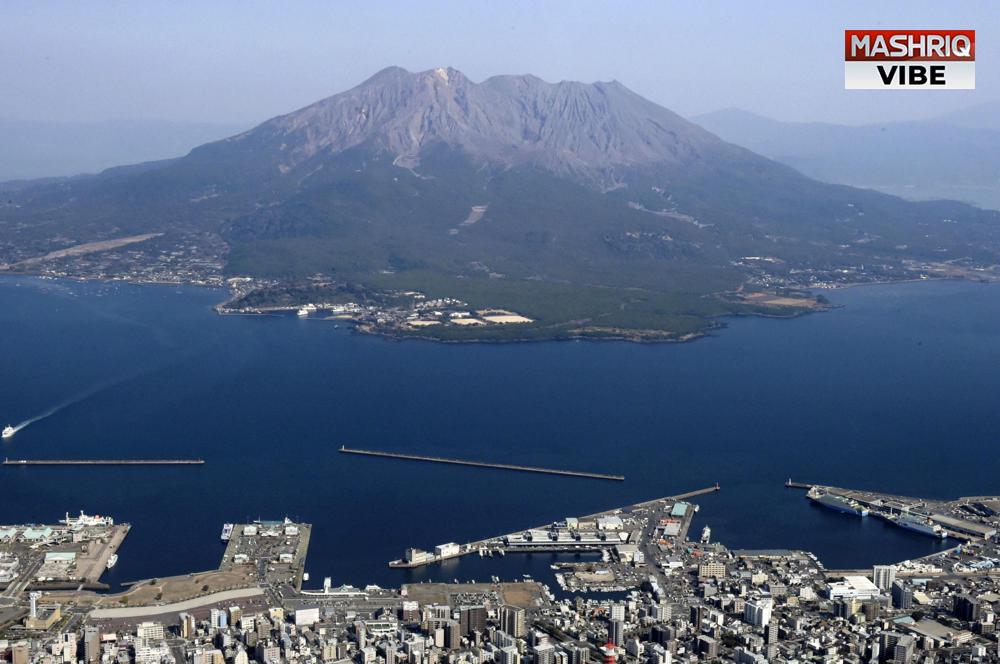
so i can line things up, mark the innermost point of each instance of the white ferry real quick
(113, 560)
(227, 532)
(8, 432)
(920, 524)
(86, 520)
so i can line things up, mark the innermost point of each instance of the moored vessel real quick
(920, 524)
(227, 532)
(836, 502)
(112, 560)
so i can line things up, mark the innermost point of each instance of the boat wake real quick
(9, 431)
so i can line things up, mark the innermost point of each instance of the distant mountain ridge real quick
(577, 204)
(36, 149)
(956, 156)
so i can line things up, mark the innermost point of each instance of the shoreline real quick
(644, 337)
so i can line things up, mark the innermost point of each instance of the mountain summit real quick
(588, 130)
(584, 206)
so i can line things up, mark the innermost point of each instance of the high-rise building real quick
(452, 635)
(148, 633)
(472, 619)
(967, 608)
(712, 569)
(757, 612)
(69, 647)
(267, 653)
(218, 618)
(578, 652)
(544, 653)
(508, 655)
(708, 646)
(512, 620)
(902, 596)
(883, 576)
(19, 653)
(618, 611)
(187, 625)
(616, 632)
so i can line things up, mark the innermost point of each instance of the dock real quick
(697, 492)
(103, 462)
(501, 545)
(484, 464)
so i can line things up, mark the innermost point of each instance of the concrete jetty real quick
(483, 464)
(103, 462)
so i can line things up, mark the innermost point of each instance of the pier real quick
(103, 462)
(484, 464)
(697, 492)
(578, 543)
(789, 484)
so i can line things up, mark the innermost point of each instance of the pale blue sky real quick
(242, 62)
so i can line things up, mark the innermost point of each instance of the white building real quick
(757, 612)
(853, 587)
(148, 633)
(884, 575)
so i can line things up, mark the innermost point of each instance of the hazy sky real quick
(242, 62)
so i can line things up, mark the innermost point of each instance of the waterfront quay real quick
(679, 598)
(482, 464)
(71, 554)
(274, 550)
(620, 535)
(967, 519)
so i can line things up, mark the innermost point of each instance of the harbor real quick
(621, 536)
(483, 464)
(969, 519)
(72, 554)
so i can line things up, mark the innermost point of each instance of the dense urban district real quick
(641, 591)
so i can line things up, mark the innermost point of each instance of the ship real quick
(8, 432)
(112, 560)
(227, 532)
(920, 524)
(836, 502)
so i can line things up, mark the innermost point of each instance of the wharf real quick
(103, 462)
(495, 545)
(483, 464)
(950, 518)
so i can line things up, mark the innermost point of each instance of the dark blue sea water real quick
(895, 391)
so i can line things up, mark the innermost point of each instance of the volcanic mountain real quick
(572, 201)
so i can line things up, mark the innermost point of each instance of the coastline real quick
(639, 336)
